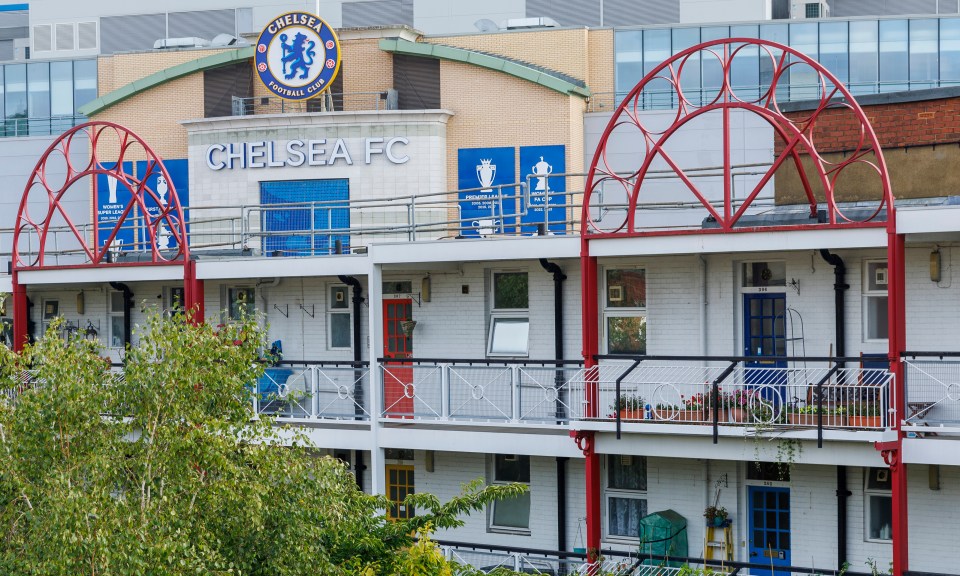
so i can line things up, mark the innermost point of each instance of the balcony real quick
(510, 392)
(763, 393)
(313, 391)
(932, 391)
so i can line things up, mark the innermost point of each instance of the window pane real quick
(745, 68)
(15, 100)
(116, 331)
(878, 479)
(949, 51)
(803, 78)
(338, 298)
(629, 49)
(509, 336)
(61, 79)
(513, 512)
(38, 87)
(510, 290)
(626, 288)
(863, 57)
(690, 75)
(778, 33)
(241, 302)
(116, 302)
(757, 274)
(339, 330)
(881, 517)
(626, 334)
(833, 49)
(893, 55)
(627, 472)
(623, 516)
(85, 82)
(924, 69)
(876, 276)
(876, 317)
(511, 468)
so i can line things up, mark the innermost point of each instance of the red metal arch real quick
(795, 133)
(168, 219)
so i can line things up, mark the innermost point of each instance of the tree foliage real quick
(161, 471)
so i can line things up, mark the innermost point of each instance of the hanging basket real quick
(407, 326)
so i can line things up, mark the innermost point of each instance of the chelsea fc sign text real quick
(270, 154)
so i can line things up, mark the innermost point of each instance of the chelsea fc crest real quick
(297, 55)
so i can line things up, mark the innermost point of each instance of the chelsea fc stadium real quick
(649, 259)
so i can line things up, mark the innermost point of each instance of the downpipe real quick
(357, 299)
(127, 309)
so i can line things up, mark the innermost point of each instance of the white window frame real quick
(228, 298)
(111, 314)
(606, 311)
(869, 294)
(868, 494)
(332, 291)
(174, 300)
(491, 527)
(500, 317)
(621, 493)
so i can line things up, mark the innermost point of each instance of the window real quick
(878, 505)
(510, 316)
(875, 300)
(241, 302)
(812, 10)
(118, 335)
(175, 298)
(511, 514)
(625, 311)
(626, 495)
(338, 317)
(400, 484)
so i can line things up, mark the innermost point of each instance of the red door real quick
(397, 344)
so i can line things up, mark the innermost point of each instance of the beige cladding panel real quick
(600, 75)
(155, 116)
(565, 51)
(493, 109)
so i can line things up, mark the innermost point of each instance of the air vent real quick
(64, 37)
(87, 35)
(43, 38)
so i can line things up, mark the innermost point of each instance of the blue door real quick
(769, 511)
(764, 336)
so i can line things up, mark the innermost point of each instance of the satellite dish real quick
(486, 25)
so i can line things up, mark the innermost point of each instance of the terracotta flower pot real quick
(811, 419)
(865, 421)
(631, 414)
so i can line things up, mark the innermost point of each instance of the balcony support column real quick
(21, 314)
(893, 451)
(193, 293)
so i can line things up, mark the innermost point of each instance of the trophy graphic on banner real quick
(112, 187)
(486, 172)
(542, 169)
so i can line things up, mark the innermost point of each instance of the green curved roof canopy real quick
(142, 85)
(547, 78)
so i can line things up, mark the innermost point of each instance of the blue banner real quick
(178, 171)
(489, 210)
(545, 192)
(113, 197)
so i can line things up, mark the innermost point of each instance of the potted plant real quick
(630, 406)
(664, 412)
(741, 403)
(716, 516)
(865, 415)
(810, 415)
(695, 409)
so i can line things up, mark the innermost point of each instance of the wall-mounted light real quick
(935, 265)
(81, 302)
(428, 460)
(425, 286)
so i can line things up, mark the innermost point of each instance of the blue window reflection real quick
(869, 56)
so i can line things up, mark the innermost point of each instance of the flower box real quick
(865, 421)
(631, 414)
(799, 419)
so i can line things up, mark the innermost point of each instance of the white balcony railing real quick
(933, 391)
(800, 394)
(528, 392)
(313, 391)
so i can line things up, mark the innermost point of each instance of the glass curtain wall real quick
(42, 98)
(869, 56)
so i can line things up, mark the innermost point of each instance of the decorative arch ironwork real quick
(796, 134)
(155, 214)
